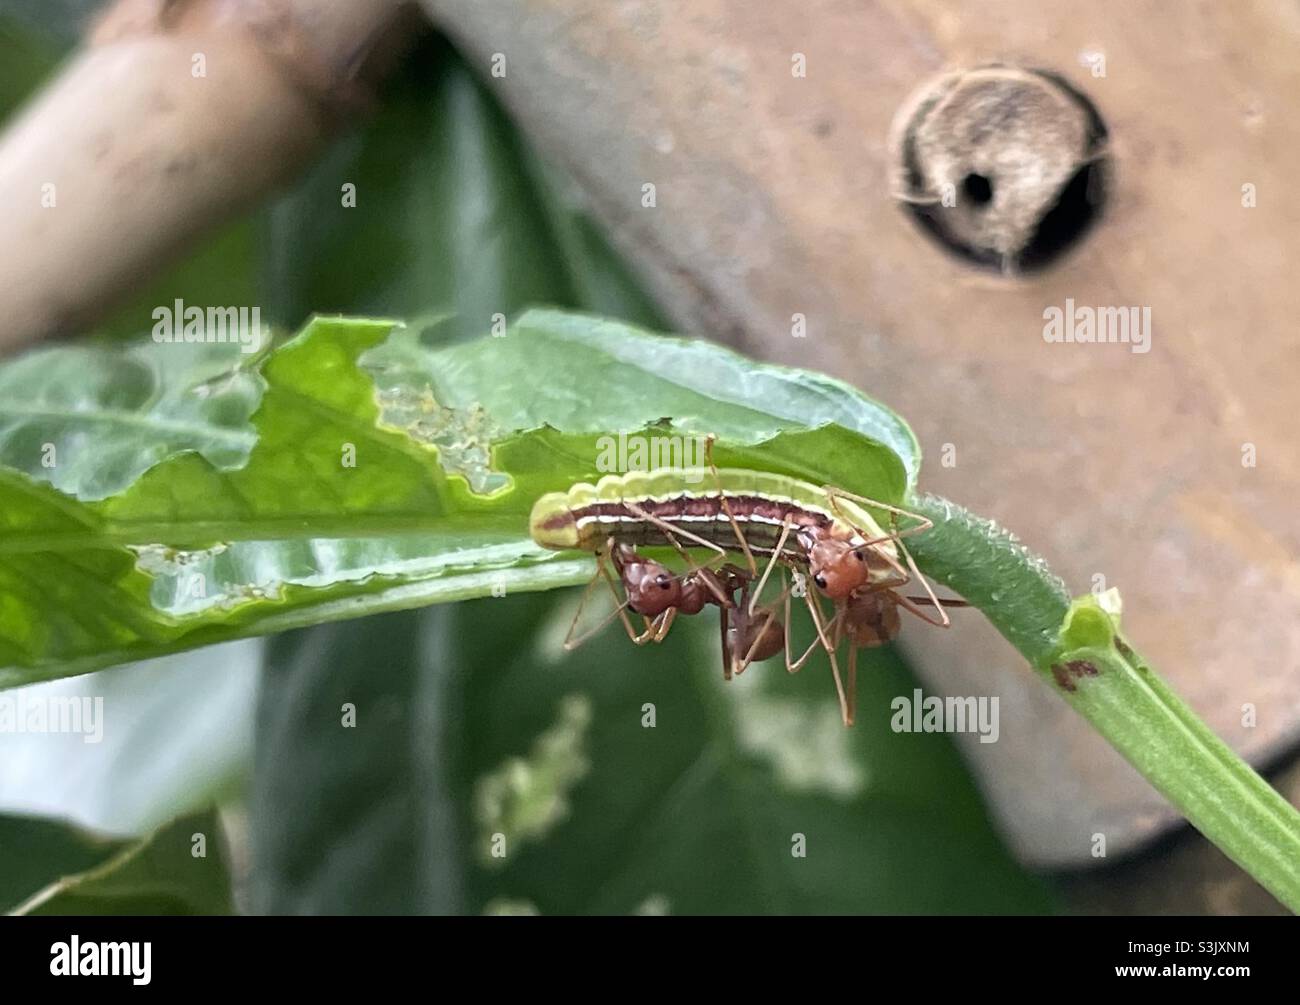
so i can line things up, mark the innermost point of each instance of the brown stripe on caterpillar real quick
(703, 515)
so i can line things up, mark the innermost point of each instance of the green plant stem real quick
(1125, 700)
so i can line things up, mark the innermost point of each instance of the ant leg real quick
(846, 700)
(726, 506)
(672, 533)
(853, 684)
(946, 602)
(789, 665)
(921, 612)
(892, 560)
(780, 543)
(881, 585)
(929, 590)
(897, 537)
(569, 642)
(922, 523)
(663, 623)
(823, 629)
(797, 665)
(710, 582)
(620, 610)
(845, 714)
(724, 621)
(769, 615)
(670, 530)
(815, 609)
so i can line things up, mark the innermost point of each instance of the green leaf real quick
(90, 421)
(158, 874)
(363, 481)
(599, 376)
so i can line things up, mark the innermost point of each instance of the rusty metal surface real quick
(773, 198)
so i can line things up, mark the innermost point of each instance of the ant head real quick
(651, 589)
(837, 567)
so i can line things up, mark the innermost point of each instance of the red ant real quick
(866, 610)
(839, 558)
(750, 634)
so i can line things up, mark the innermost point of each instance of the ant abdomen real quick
(755, 639)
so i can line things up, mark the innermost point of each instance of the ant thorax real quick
(872, 619)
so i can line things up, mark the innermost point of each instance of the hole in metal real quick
(1005, 167)
(978, 189)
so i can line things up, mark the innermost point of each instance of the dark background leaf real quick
(178, 869)
(38, 852)
(358, 818)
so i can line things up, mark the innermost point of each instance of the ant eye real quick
(861, 557)
(663, 582)
(820, 580)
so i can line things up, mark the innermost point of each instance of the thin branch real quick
(1076, 649)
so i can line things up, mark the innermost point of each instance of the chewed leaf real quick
(92, 420)
(585, 374)
(355, 469)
